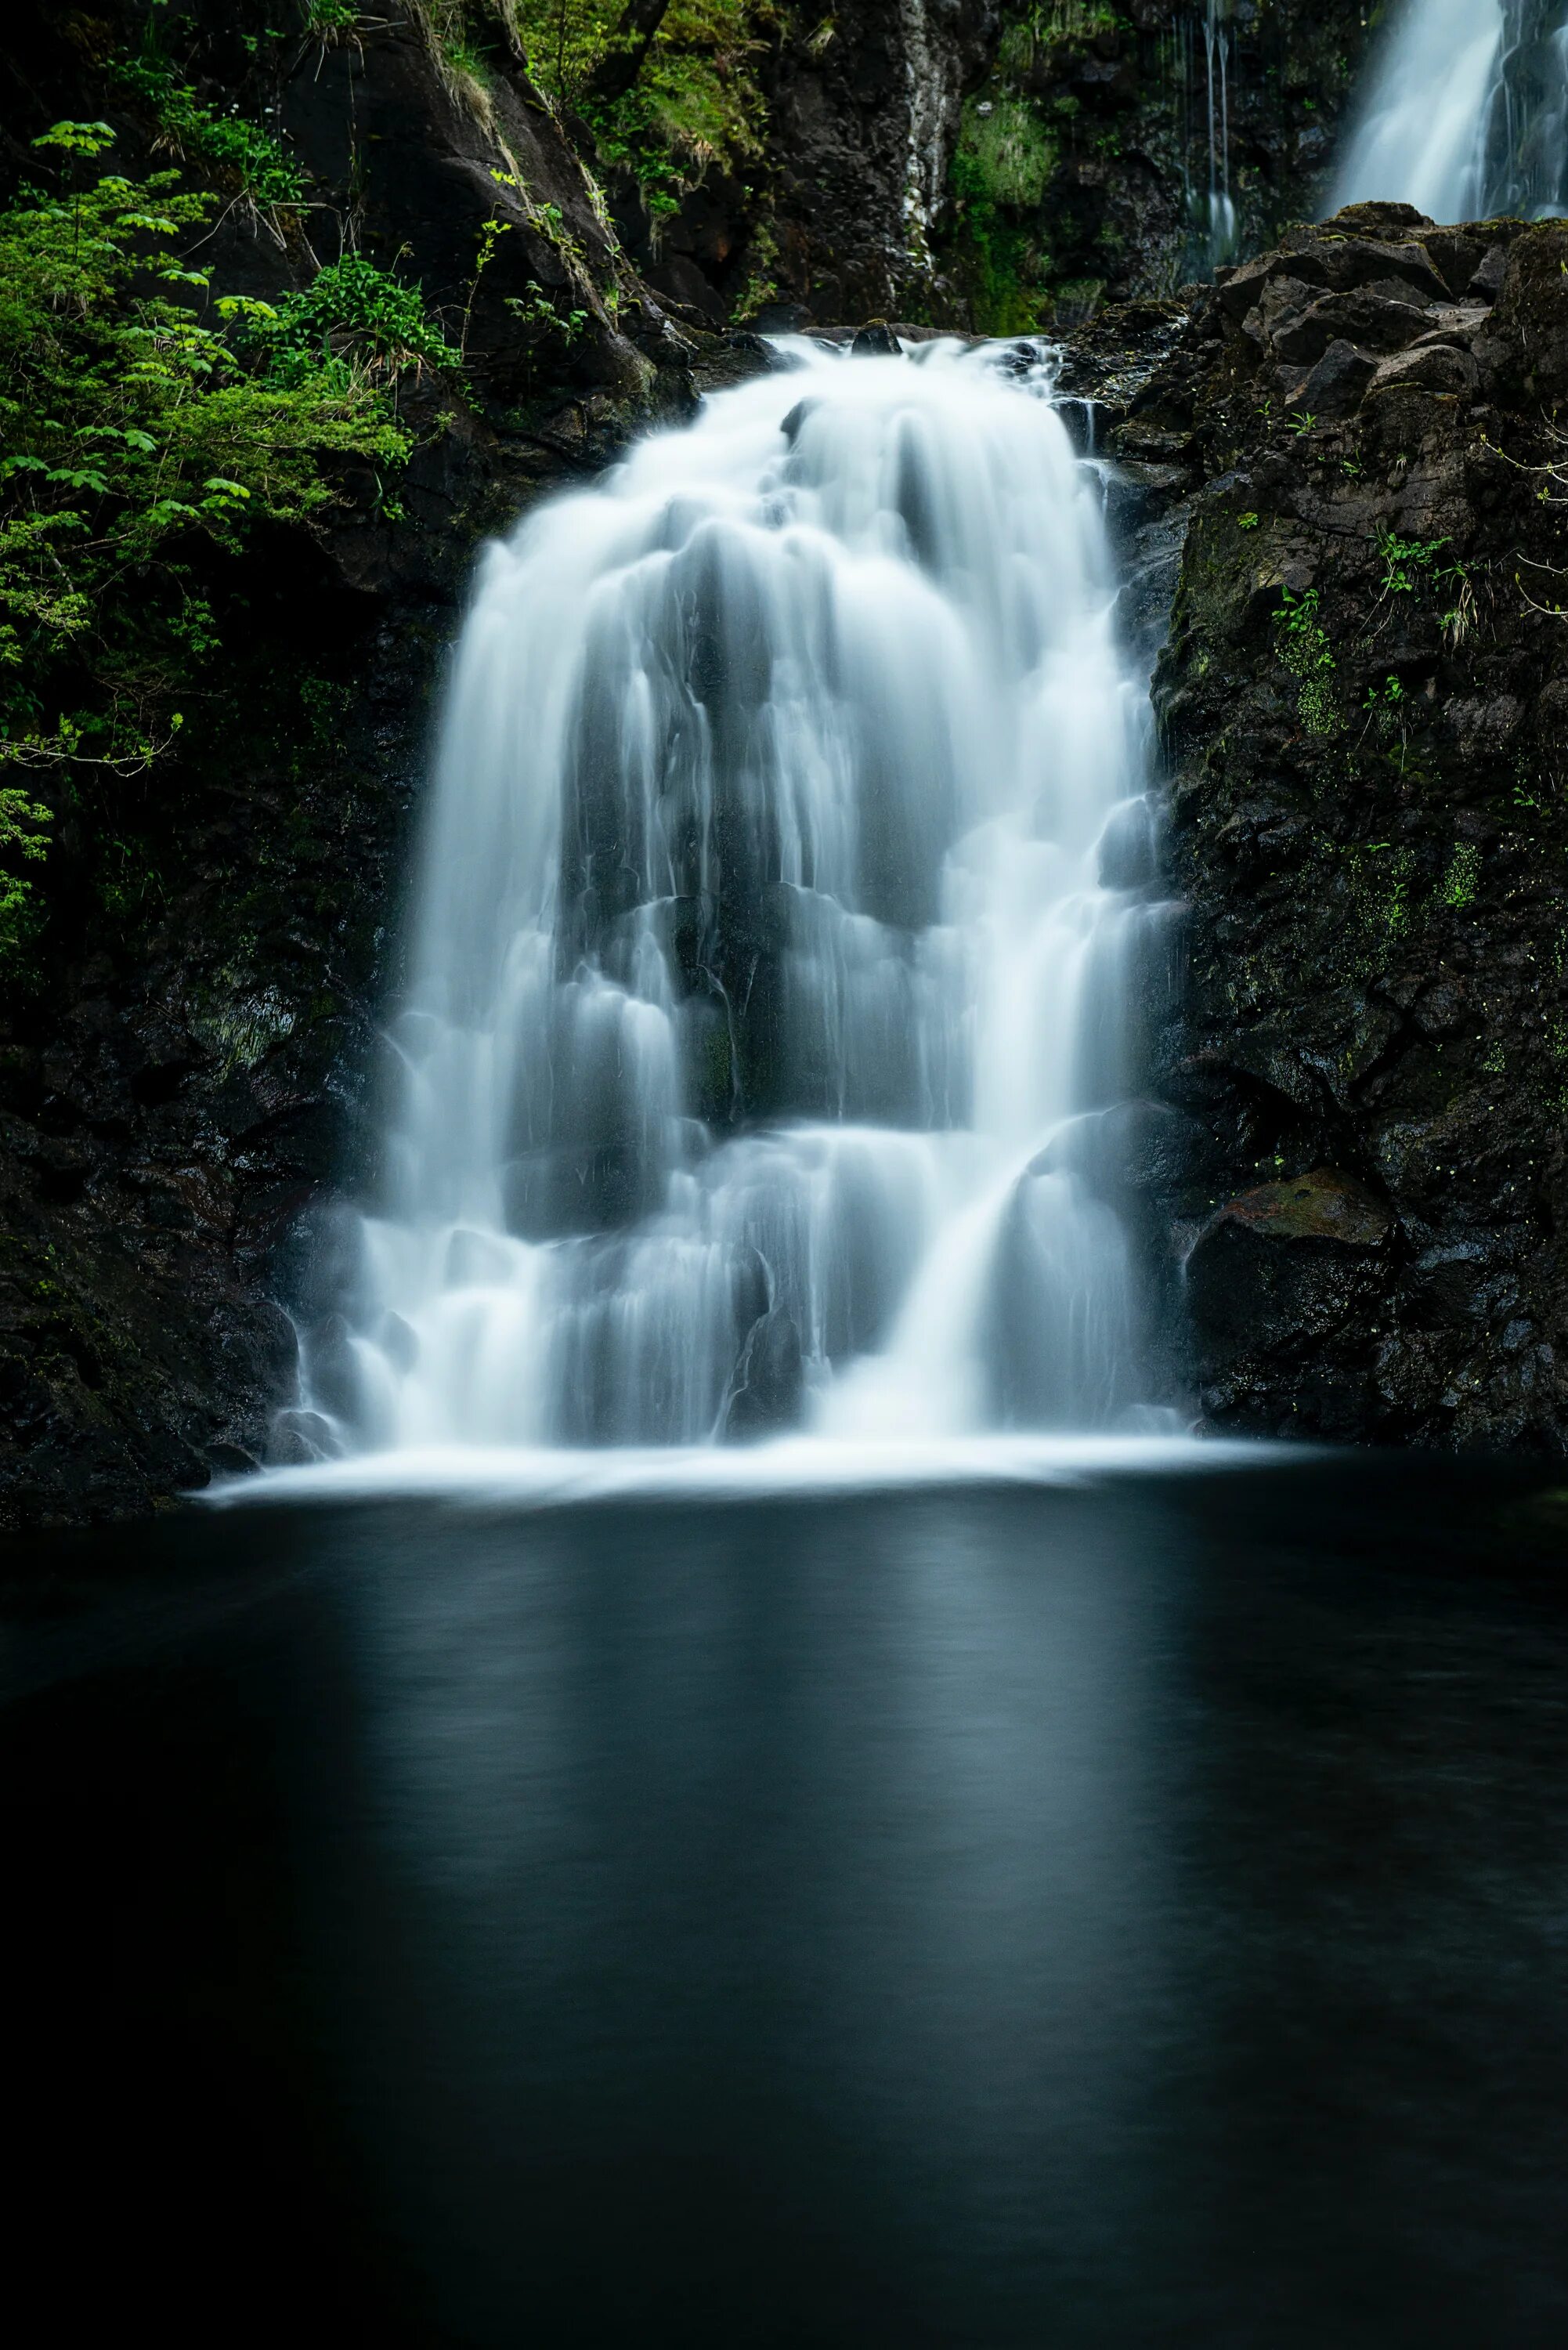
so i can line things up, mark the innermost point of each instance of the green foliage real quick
(352, 319)
(141, 444)
(230, 143)
(536, 310)
(1040, 24)
(24, 836)
(1246, 521)
(696, 100)
(1410, 565)
(1387, 708)
(1006, 263)
(1304, 649)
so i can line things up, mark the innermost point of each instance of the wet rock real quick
(231, 1460)
(1371, 320)
(1283, 1264)
(875, 341)
(1362, 705)
(298, 1439)
(334, 1367)
(1336, 383)
(1434, 368)
(769, 1381)
(1323, 1205)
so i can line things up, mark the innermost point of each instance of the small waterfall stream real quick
(1467, 112)
(1199, 55)
(785, 883)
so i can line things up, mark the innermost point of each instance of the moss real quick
(1007, 154)
(1000, 171)
(1461, 881)
(241, 1030)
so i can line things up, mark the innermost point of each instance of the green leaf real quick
(75, 478)
(77, 138)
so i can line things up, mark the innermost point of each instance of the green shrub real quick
(351, 318)
(231, 143)
(142, 441)
(695, 102)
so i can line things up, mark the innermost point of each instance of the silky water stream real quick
(787, 879)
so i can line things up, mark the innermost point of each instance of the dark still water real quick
(1128, 1916)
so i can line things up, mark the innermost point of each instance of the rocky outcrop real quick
(866, 117)
(1363, 703)
(839, 217)
(1111, 154)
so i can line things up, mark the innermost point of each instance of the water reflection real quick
(1109, 1916)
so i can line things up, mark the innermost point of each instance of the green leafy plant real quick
(142, 442)
(1410, 565)
(327, 20)
(534, 309)
(267, 174)
(1306, 652)
(352, 318)
(1247, 521)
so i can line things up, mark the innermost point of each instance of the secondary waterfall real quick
(786, 876)
(1467, 114)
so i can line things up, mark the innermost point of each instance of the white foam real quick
(793, 1467)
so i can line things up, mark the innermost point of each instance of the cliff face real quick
(1363, 700)
(837, 219)
(1114, 153)
(864, 126)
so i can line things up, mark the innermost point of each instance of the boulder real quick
(1336, 383)
(1284, 1264)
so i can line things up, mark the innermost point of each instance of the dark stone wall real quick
(1088, 148)
(1363, 703)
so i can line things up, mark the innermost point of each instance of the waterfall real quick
(785, 890)
(1222, 210)
(1210, 210)
(1466, 113)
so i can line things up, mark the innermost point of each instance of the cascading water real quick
(1222, 212)
(785, 879)
(1467, 114)
(1202, 107)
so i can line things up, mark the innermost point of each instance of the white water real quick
(1222, 210)
(1198, 53)
(766, 986)
(1467, 112)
